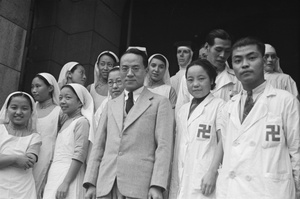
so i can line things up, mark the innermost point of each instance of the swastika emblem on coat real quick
(273, 132)
(204, 130)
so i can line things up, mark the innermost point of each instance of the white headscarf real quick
(31, 126)
(62, 79)
(87, 109)
(166, 77)
(52, 81)
(271, 49)
(191, 57)
(96, 68)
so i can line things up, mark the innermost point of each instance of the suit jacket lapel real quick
(139, 108)
(117, 104)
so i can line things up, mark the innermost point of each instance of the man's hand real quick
(155, 192)
(90, 192)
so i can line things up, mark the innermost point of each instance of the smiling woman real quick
(19, 146)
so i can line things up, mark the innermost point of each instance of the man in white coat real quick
(218, 49)
(260, 134)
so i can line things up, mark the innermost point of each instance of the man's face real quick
(248, 65)
(218, 53)
(184, 55)
(132, 71)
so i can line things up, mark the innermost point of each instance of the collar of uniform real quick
(136, 93)
(256, 92)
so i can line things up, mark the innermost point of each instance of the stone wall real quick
(70, 30)
(14, 17)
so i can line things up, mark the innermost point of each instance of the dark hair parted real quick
(21, 94)
(112, 70)
(159, 57)
(246, 41)
(207, 66)
(217, 33)
(74, 68)
(108, 54)
(138, 52)
(43, 79)
(70, 87)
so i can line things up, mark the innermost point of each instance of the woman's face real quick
(157, 70)
(115, 84)
(39, 90)
(105, 64)
(68, 101)
(19, 111)
(78, 76)
(198, 81)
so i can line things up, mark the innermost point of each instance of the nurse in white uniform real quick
(197, 135)
(45, 91)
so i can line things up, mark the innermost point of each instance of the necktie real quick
(194, 104)
(248, 105)
(129, 102)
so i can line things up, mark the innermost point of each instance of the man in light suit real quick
(132, 152)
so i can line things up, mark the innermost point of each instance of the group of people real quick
(209, 131)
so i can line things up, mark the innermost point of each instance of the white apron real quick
(47, 127)
(98, 99)
(195, 146)
(64, 150)
(261, 153)
(16, 183)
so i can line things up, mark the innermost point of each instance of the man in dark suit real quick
(132, 152)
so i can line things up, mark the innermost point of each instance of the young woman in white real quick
(99, 89)
(66, 172)
(19, 146)
(197, 133)
(45, 91)
(158, 78)
(72, 72)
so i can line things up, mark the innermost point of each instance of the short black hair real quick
(217, 33)
(207, 66)
(112, 70)
(138, 52)
(249, 41)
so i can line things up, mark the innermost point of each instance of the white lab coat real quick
(282, 81)
(227, 85)
(195, 146)
(257, 163)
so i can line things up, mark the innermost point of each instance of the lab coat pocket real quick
(273, 133)
(278, 185)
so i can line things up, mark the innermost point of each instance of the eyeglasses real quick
(111, 82)
(272, 56)
(134, 69)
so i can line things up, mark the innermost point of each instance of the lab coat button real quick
(235, 143)
(232, 174)
(248, 178)
(252, 143)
